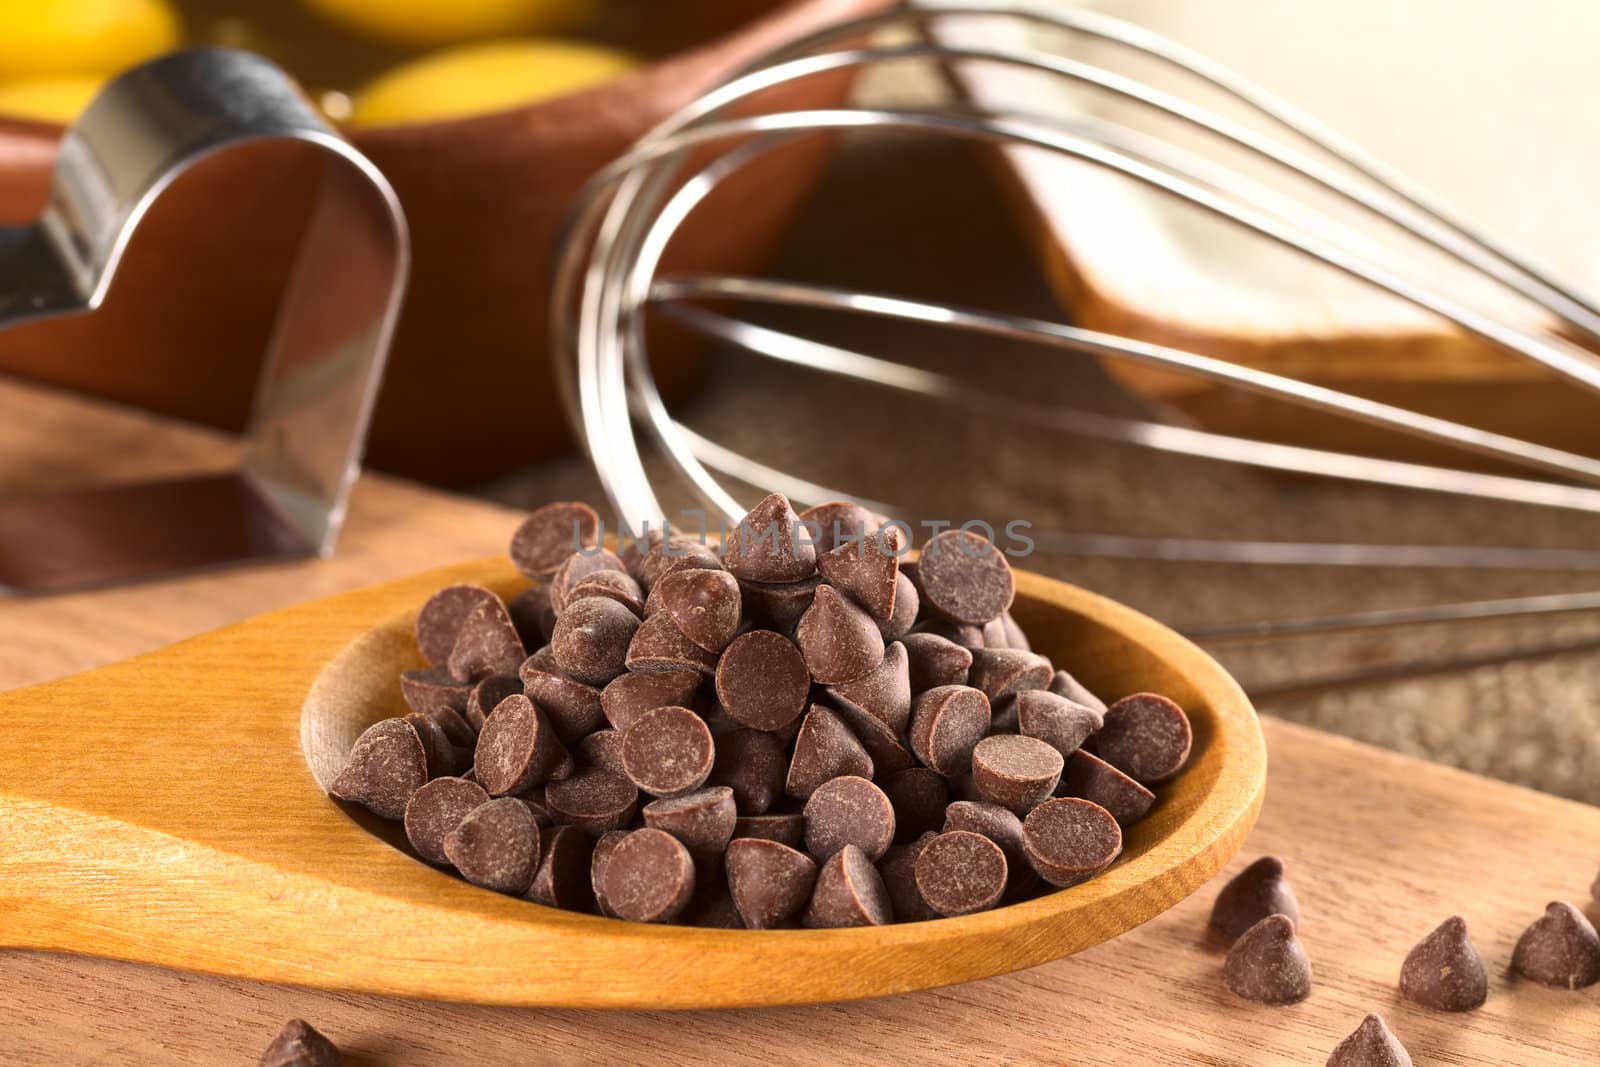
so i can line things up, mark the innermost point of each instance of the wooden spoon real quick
(172, 809)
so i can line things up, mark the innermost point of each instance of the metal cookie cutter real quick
(320, 375)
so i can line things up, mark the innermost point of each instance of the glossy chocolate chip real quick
(1065, 685)
(898, 869)
(487, 695)
(838, 521)
(1055, 720)
(574, 570)
(947, 722)
(1015, 772)
(488, 644)
(626, 698)
(518, 749)
(778, 606)
(1068, 840)
(668, 751)
(649, 877)
(435, 810)
(550, 534)
(1268, 965)
(659, 645)
(1092, 778)
(849, 892)
(496, 846)
(883, 692)
(439, 622)
(592, 638)
(299, 1044)
(572, 707)
(1251, 895)
(824, 749)
(770, 882)
(533, 616)
(1560, 949)
(907, 603)
(610, 585)
(702, 820)
(788, 828)
(705, 605)
(598, 859)
(1145, 736)
(762, 680)
(562, 880)
(754, 764)
(961, 872)
(866, 570)
(1370, 1045)
(385, 766)
(964, 578)
(431, 688)
(1001, 672)
(1444, 971)
(849, 810)
(769, 545)
(933, 661)
(838, 640)
(919, 797)
(593, 799)
(602, 749)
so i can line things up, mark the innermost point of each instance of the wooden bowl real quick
(185, 324)
(171, 809)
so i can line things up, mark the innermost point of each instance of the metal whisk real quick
(609, 276)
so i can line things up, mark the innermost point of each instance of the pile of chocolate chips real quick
(803, 728)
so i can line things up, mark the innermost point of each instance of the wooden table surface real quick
(1380, 849)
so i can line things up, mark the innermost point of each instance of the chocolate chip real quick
(770, 882)
(702, 820)
(435, 810)
(946, 723)
(1015, 772)
(849, 892)
(1003, 716)
(649, 877)
(602, 749)
(553, 532)
(1092, 778)
(440, 754)
(299, 1044)
(898, 870)
(1145, 736)
(593, 799)
(496, 846)
(1370, 1045)
(487, 695)
(883, 692)
(882, 744)
(964, 578)
(631, 695)
(541, 660)
(1068, 840)
(848, 810)
(933, 661)
(577, 567)
(659, 645)
(573, 708)
(518, 749)
(675, 553)
(839, 641)
(704, 604)
(562, 880)
(439, 622)
(488, 644)
(968, 637)
(610, 585)
(906, 605)
(591, 639)
(762, 680)
(385, 766)
(999, 825)
(838, 521)
(866, 570)
(533, 615)
(824, 749)
(788, 828)
(1065, 685)
(425, 690)
(1559, 949)
(754, 764)
(1055, 720)
(1251, 895)
(598, 859)
(1000, 672)
(1267, 964)
(668, 751)
(919, 797)
(961, 872)
(456, 730)
(1444, 971)
(1016, 637)
(778, 606)
(769, 545)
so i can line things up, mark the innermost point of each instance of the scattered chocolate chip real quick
(704, 604)
(533, 615)
(838, 521)
(769, 545)
(824, 749)
(609, 585)
(848, 810)
(602, 749)
(1068, 840)
(573, 708)
(435, 810)
(456, 729)
(436, 747)
(1015, 772)
(770, 882)
(299, 1044)
(439, 622)
(552, 533)
(593, 799)
(1251, 895)
(883, 692)
(866, 570)
(999, 825)
(430, 688)
(598, 859)
(668, 751)
(906, 605)
(562, 880)
(946, 723)
(1145, 736)
(919, 797)
(960, 872)
(849, 892)
(964, 578)
(591, 639)
(1054, 719)
(518, 749)
(572, 573)
(649, 877)
(1444, 971)
(762, 680)
(488, 644)
(898, 869)
(487, 695)
(1000, 672)
(1092, 778)
(1267, 964)
(933, 661)
(788, 828)
(385, 766)
(496, 846)
(882, 744)
(754, 764)
(658, 645)
(626, 698)
(838, 640)
(1370, 1045)
(1560, 949)
(702, 820)
(1065, 685)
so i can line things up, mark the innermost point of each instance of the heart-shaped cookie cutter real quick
(320, 375)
